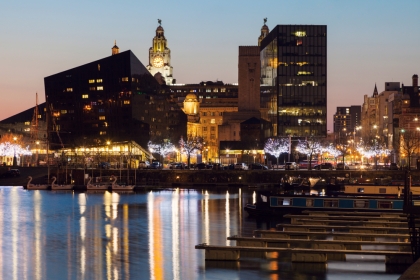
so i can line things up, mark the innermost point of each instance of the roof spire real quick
(115, 48)
(375, 91)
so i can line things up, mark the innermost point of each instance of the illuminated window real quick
(301, 63)
(99, 80)
(91, 81)
(215, 90)
(208, 89)
(125, 79)
(99, 67)
(298, 42)
(126, 101)
(99, 88)
(63, 112)
(27, 129)
(69, 89)
(222, 90)
(304, 73)
(101, 118)
(102, 133)
(84, 96)
(27, 123)
(212, 121)
(300, 33)
(39, 116)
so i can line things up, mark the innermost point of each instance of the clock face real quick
(158, 61)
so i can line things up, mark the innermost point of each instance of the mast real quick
(34, 129)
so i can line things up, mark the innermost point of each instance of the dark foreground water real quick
(67, 235)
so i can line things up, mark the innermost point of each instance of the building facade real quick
(111, 99)
(347, 118)
(294, 63)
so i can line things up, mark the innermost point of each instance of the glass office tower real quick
(294, 63)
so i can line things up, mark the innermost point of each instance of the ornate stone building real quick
(160, 58)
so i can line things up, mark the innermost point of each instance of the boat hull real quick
(62, 187)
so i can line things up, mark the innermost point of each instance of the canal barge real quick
(272, 204)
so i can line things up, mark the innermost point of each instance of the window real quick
(385, 204)
(91, 81)
(63, 112)
(125, 79)
(222, 90)
(212, 128)
(99, 88)
(204, 128)
(361, 204)
(27, 123)
(99, 80)
(84, 96)
(208, 89)
(213, 121)
(102, 133)
(101, 118)
(204, 113)
(92, 88)
(69, 89)
(330, 203)
(300, 33)
(220, 114)
(126, 102)
(212, 136)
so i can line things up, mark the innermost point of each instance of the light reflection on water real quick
(102, 235)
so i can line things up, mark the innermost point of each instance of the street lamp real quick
(37, 151)
(254, 152)
(14, 152)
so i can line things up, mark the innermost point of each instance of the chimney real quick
(415, 83)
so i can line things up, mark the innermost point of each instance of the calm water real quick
(66, 235)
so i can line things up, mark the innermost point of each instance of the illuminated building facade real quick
(114, 98)
(160, 58)
(294, 63)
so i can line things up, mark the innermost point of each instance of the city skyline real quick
(48, 37)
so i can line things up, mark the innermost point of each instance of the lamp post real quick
(37, 151)
(14, 151)
(254, 152)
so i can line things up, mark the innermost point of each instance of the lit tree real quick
(373, 146)
(190, 146)
(8, 149)
(163, 149)
(332, 150)
(409, 144)
(276, 147)
(311, 146)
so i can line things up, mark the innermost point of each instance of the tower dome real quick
(264, 32)
(115, 48)
(191, 104)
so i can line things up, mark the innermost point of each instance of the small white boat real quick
(116, 187)
(56, 187)
(90, 186)
(30, 186)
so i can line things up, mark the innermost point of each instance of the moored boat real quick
(116, 187)
(98, 187)
(30, 186)
(56, 187)
(275, 204)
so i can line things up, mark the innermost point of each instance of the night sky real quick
(369, 41)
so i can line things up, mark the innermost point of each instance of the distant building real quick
(294, 63)
(347, 118)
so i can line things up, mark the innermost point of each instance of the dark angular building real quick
(110, 99)
(294, 63)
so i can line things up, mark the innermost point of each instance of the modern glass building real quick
(294, 63)
(112, 99)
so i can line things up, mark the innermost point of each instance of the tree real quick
(190, 146)
(276, 147)
(409, 144)
(163, 149)
(310, 146)
(373, 146)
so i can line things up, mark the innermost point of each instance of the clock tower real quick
(160, 57)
